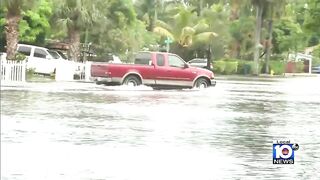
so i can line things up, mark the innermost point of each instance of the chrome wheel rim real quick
(132, 83)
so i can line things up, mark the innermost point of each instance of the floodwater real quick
(80, 131)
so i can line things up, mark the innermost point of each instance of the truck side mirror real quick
(186, 65)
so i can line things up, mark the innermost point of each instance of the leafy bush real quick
(244, 67)
(20, 57)
(219, 66)
(230, 67)
(30, 73)
(278, 67)
(316, 56)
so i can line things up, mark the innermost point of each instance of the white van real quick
(42, 60)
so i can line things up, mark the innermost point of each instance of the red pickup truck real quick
(155, 69)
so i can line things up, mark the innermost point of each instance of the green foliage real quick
(231, 67)
(277, 67)
(227, 66)
(30, 73)
(312, 20)
(34, 24)
(34, 27)
(316, 56)
(234, 66)
(288, 36)
(219, 66)
(245, 67)
(19, 57)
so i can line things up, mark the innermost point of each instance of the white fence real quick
(13, 70)
(65, 71)
(68, 70)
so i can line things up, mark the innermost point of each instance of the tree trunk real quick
(200, 8)
(257, 38)
(235, 10)
(74, 41)
(12, 34)
(151, 23)
(209, 57)
(269, 43)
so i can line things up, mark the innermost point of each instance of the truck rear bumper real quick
(103, 79)
(107, 80)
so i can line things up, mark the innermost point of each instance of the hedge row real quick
(236, 66)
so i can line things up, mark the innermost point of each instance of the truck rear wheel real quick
(131, 81)
(201, 83)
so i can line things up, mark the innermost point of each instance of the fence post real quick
(87, 73)
(24, 67)
(3, 69)
(7, 70)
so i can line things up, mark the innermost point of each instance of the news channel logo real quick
(283, 152)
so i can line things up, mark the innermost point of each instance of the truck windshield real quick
(143, 59)
(54, 54)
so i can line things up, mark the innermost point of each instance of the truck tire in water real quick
(131, 81)
(201, 83)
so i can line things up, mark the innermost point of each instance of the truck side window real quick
(175, 61)
(24, 50)
(39, 53)
(143, 59)
(160, 59)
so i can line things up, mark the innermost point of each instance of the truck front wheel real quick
(201, 83)
(131, 81)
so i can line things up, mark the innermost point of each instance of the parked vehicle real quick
(199, 62)
(42, 60)
(316, 69)
(156, 69)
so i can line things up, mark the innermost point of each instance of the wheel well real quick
(132, 74)
(203, 77)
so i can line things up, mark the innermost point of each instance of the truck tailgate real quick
(99, 70)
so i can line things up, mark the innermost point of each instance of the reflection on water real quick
(86, 131)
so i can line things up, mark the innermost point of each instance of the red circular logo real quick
(285, 151)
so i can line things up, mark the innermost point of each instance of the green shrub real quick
(278, 67)
(20, 57)
(30, 73)
(230, 67)
(219, 66)
(315, 61)
(235, 66)
(245, 67)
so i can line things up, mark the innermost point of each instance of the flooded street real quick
(86, 131)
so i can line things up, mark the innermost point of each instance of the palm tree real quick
(150, 9)
(260, 6)
(183, 31)
(76, 16)
(14, 10)
(274, 11)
